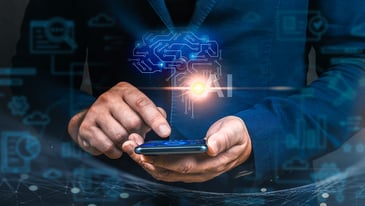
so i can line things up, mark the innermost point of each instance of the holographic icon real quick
(17, 151)
(53, 36)
(52, 174)
(36, 119)
(339, 83)
(98, 185)
(360, 148)
(353, 123)
(71, 150)
(12, 76)
(347, 148)
(295, 163)
(18, 105)
(291, 25)
(342, 50)
(251, 18)
(101, 20)
(317, 25)
(305, 138)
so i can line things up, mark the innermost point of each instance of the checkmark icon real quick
(318, 25)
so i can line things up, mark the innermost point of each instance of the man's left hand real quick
(229, 145)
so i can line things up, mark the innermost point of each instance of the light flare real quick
(199, 88)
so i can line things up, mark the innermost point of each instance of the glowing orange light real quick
(198, 88)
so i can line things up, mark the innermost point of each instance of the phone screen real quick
(164, 147)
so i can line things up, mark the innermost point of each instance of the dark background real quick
(11, 14)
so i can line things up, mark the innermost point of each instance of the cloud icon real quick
(36, 118)
(52, 174)
(251, 18)
(101, 20)
(296, 164)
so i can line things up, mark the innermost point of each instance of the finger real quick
(162, 111)
(129, 146)
(112, 129)
(189, 164)
(74, 124)
(138, 139)
(178, 163)
(88, 148)
(201, 164)
(128, 118)
(95, 137)
(165, 175)
(147, 110)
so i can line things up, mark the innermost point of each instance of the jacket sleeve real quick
(52, 44)
(323, 115)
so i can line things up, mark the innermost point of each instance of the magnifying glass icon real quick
(59, 30)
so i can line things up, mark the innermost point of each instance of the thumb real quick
(228, 133)
(218, 143)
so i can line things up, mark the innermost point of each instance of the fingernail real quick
(212, 146)
(85, 143)
(135, 138)
(164, 130)
(138, 140)
(128, 148)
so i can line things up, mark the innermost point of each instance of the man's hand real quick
(117, 113)
(228, 143)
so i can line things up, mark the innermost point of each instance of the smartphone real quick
(166, 147)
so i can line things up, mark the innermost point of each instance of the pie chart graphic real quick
(28, 147)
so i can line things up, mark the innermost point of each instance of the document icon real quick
(17, 151)
(53, 36)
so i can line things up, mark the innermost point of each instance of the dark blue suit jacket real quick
(265, 46)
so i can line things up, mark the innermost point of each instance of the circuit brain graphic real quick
(179, 52)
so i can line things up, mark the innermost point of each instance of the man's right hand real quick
(117, 113)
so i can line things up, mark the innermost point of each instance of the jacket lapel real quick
(160, 8)
(202, 10)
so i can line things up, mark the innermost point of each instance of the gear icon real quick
(18, 105)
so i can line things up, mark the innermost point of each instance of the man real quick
(266, 122)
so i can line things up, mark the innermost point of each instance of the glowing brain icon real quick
(178, 51)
